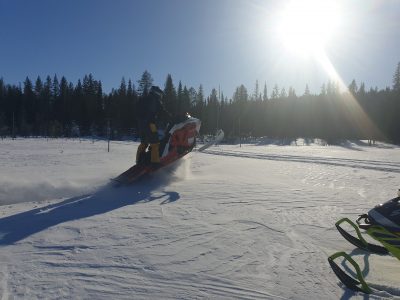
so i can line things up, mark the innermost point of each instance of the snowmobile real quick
(179, 139)
(382, 223)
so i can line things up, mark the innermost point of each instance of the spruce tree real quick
(55, 88)
(2, 103)
(185, 100)
(179, 104)
(361, 90)
(122, 91)
(256, 91)
(170, 95)
(145, 83)
(199, 106)
(129, 89)
(283, 93)
(291, 93)
(396, 78)
(353, 89)
(265, 94)
(62, 105)
(323, 90)
(77, 104)
(307, 91)
(38, 87)
(40, 108)
(275, 92)
(28, 108)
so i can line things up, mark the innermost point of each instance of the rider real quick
(150, 109)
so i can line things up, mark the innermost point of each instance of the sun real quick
(306, 26)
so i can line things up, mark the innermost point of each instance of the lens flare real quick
(306, 26)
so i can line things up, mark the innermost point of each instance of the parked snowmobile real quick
(381, 223)
(179, 139)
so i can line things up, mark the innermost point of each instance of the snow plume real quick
(38, 190)
(181, 170)
(38, 169)
(41, 169)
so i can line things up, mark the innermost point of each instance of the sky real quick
(216, 43)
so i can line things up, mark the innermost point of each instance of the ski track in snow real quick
(228, 223)
(342, 162)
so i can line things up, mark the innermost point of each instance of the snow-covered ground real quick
(250, 222)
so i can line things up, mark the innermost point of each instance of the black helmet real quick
(155, 90)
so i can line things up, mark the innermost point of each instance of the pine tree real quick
(212, 111)
(47, 102)
(361, 90)
(275, 92)
(185, 100)
(329, 88)
(170, 95)
(131, 104)
(323, 90)
(62, 105)
(122, 91)
(353, 89)
(199, 105)
(123, 113)
(28, 107)
(99, 102)
(89, 104)
(200, 95)
(192, 97)
(307, 91)
(256, 91)
(291, 93)
(179, 108)
(283, 93)
(2, 107)
(240, 94)
(38, 87)
(265, 94)
(145, 83)
(55, 87)
(130, 89)
(47, 88)
(396, 78)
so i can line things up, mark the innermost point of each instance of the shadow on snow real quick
(19, 226)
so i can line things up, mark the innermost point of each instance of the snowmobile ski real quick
(359, 242)
(358, 284)
(218, 138)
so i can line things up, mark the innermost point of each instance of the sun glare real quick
(305, 26)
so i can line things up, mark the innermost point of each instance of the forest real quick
(55, 107)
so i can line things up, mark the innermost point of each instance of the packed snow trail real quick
(210, 227)
(344, 162)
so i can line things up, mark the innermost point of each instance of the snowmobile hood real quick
(387, 215)
(188, 120)
(182, 136)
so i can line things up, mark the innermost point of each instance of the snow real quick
(249, 222)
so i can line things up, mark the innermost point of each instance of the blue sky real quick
(211, 42)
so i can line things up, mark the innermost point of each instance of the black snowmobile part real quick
(359, 242)
(364, 222)
(387, 215)
(356, 285)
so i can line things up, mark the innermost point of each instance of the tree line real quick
(56, 107)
